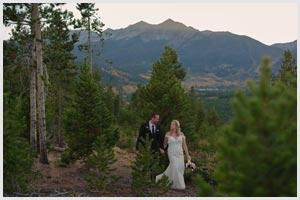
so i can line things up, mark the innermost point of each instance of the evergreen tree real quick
(146, 164)
(109, 97)
(288, 66)
(100, 162)
(117, 105)
(27, 18)
(204, 189)
(16, 76)
(196, 108)
(97, 76)
(17, 162)
(38, 58)
(164, 93)
(88, 118)
(22, 40)
(212, 117)
(60, 61)
(257, 151)
(208, 137)
(91, 22)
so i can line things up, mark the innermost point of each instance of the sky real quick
(268, 23)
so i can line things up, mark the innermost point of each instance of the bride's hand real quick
(161, 151)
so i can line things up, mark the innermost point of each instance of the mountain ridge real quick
(287, 45)
(222, 56)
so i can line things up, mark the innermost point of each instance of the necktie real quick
(152, 129)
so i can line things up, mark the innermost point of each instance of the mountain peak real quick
(140, 24)
(163, 31)
(171, 24)
(169, 21)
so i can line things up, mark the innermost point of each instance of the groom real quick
(152, 129)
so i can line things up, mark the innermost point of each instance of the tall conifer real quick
(89, 117)
(164, 93)
(257, 151)
(288, 66)
(90, 22)
(61, 64)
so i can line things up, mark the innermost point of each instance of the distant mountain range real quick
(211, 59)
(286, 46)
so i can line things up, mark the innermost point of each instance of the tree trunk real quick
(90, 47)
(40, 86)
(59, 131)
(33, 128)
(33, 120)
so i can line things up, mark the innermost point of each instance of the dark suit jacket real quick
(157, 137)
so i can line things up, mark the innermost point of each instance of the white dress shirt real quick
(150, 125)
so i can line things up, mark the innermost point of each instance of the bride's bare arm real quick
(166, 140)
(185, 148)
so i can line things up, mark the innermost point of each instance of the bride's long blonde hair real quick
(178, 130)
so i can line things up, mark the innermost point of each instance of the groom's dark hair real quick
(153, 115)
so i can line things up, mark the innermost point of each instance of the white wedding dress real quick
(175, 170)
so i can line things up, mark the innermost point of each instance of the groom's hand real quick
(161, 151)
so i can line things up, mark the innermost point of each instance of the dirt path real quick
(54, 180)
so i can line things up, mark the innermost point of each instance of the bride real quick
(177, 143)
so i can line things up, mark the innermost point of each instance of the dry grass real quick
(69, 180)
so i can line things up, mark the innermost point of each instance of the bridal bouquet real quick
(190, 165)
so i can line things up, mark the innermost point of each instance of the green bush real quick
(66, 158)
(204, 188)
(146, 165)
(100, 163)
(17, 161)
(17, 164)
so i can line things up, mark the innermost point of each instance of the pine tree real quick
(22, 39)
(88, 118)
(91, 22)
(60, 61)
(146, 164)
(212, 117)
(164, 93)
(109, 98)
(288, 67)
(40, 83)
(17, 162)
(204, 189)
(27, 18)
(196, 108)
(100, 162)
(257, 151)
